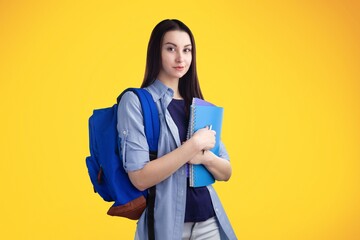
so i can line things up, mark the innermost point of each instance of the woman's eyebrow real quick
(170, 43)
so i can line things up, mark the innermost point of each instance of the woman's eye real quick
(171, 49)
(187, 50)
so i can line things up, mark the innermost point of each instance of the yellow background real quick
(286, 72)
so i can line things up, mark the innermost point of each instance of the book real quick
(204, 114)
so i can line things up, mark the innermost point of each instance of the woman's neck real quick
(173, 84)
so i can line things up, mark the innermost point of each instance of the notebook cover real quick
(204, 114)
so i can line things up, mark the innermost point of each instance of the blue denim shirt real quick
(170, 199)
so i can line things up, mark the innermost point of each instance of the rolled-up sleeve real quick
(134, 148)
(223, 152)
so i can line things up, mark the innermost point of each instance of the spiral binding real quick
(189, 135)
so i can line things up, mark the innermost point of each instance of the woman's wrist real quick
(209, 158)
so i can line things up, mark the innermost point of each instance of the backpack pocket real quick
(97, 178)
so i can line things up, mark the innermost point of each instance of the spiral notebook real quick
(204, 114)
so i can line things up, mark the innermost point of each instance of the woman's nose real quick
(179, 57)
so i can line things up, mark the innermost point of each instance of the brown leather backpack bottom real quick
(131, 210)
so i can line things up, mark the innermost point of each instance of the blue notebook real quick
(204, 114)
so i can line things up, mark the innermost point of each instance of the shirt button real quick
(124, 132)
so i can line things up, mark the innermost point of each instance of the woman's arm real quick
(159, 169)
(219, 167)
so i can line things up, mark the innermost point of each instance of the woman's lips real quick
(179, 68)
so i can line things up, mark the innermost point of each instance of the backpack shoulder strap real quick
(151, 118)
(152, 132)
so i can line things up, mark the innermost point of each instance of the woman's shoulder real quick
(129, 97)
(129, 101)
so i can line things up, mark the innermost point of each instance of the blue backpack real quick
(105, 165)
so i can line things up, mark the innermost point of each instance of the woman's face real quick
(175, 55)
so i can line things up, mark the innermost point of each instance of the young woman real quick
(181, 212)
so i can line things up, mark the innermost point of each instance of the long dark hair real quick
(189, 86)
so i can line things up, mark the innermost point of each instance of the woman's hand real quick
(202, 157)
(204, 138)
(220, 168)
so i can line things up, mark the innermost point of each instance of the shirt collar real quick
(158, 90)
